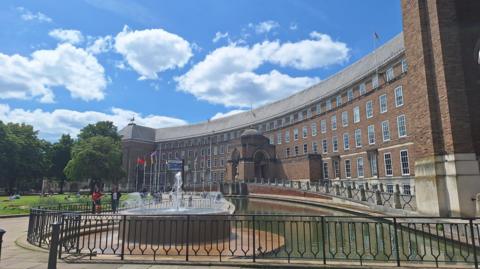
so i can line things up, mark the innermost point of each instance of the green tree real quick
(96, 158)
(59, 156)
(101, 128)
(6, 153)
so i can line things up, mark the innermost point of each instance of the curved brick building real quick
(404, 114)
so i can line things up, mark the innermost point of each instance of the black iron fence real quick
(353, 192)
(360, 240)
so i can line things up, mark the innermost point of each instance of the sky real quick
(65, 64)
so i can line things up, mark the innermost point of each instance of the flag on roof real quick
(140, 161)
(375, 35)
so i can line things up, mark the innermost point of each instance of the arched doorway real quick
(260, 164)
(235, 161)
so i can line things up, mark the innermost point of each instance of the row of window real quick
(386, 136)
(388, 165)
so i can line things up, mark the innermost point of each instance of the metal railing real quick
(355, 193)
(390, 241)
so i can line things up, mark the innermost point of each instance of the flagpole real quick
(144, 171)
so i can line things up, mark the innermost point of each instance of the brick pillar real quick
(439, 94)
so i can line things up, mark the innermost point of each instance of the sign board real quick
(174, 165)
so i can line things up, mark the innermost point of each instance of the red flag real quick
(140, 161)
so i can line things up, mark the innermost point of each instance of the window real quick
(348, 169)
(346, 141)
(323, 126)
(315, 147)
(314, 129)
(385, 131)
(404, 162)
(360, 167)
(287, 136)
(387, 157)
(272, 140)
(399, 96)
(333, 120)
(369, 109)
(375, 81)
(406, 189)
(345, 118)
(362, 89)
(279, 138)
(372, 156)
(328, 105)
(295, 134)
(371, 134)
(309, 113)
(356, 114)
(325, 170)
(404, 66)
(305, 148)
(390, 74)
(402, 129)
(318, 108)
(324, 146)
(389, 188)
(304, 132)
(383, 103)
(296, 150)
(358, 138)
(287, 152)
(336, 169)
(335, 144)
(300, 116)
(339, 100)
(350, 95)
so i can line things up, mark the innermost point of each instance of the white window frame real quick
(385, 164)
(315, 147)
(348, 173)
(386, 131)
(360, 160)
(323, 126)
(349, 95)
(346, 146)
(324, 146)
(404, 125)
(305, 148)
(356, 114)
(362, 88)
(399, 100)
(404, 65)
(318, 108)
(344, 118)
(279, 138)
(287, 136)
(390, 74)
(369, 109)
(333, 121)
(314, 128)
(295, 134)
(328, 105)
(383, 109)
(358, 138)
(338, 100)
(375, 81)
(371, 134)
(402, 163)
(304, 132)
(335, 144)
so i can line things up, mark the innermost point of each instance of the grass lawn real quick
(23, 205)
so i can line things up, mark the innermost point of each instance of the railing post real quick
(253, 239)
(327, 187)
(397, 251)
(363, 195)
(2, 232)
(337, 190)
(472, 232)
(349, 192)
(324, 241)
(52, 254)
(378, 197)
(188, 237)
(396, 198)
(124, 225)
(61, 237)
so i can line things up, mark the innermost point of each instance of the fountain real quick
(178, 218)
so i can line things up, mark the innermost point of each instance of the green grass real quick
(23, 205)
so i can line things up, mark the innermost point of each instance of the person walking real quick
(96, 197)
(116, 194)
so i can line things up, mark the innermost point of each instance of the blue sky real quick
(64, 64)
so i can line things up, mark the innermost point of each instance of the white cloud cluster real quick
(73, 68)
(220, 115)
(27, 15)
(52, 125)
(152, 51)
(67, 36)
(227, 75)
(264, 26)
(101, 45)
(218, 36)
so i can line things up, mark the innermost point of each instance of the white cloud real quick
(220, 115)
(218, 36)
(152, 51)
(73, 68)
(101, 45)
(227, 75)
(311, 53)
(67, 35)
(27, 15)
(293, 26)
(264, 26)
(52, 125)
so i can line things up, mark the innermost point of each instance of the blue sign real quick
(174, 165)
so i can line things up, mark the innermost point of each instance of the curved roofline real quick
(330, 86)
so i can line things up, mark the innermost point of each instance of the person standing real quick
(115, 199)
(96, 197)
